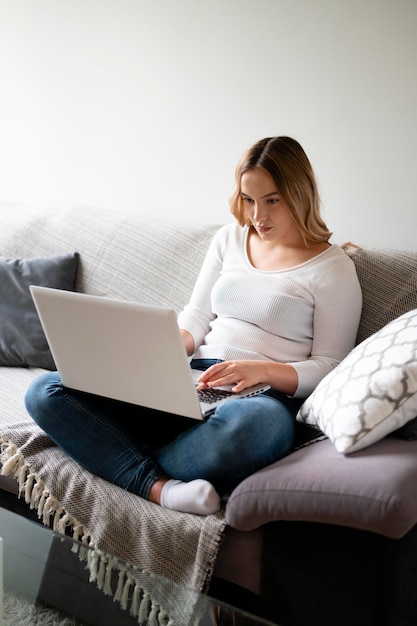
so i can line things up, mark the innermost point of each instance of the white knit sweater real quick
(307, 315)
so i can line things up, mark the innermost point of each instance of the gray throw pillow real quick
(22, 340)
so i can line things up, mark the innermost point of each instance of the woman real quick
(274, 303)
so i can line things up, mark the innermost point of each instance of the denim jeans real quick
(133, 446)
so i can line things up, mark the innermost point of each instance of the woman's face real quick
(264, 206)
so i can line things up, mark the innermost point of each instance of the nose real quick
(259, 214)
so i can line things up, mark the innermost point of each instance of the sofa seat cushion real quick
(373, 489)
(14, 382)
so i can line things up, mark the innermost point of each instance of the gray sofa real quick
(320, 537)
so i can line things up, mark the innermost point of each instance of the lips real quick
(263, 229)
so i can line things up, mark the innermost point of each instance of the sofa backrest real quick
(122, 255)
(128, 256)
(389, 286)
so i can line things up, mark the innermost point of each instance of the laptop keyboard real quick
(212, 395)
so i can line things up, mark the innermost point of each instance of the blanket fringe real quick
(131, 595)
(100, 565)
(33, 489)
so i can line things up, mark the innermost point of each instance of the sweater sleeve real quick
(197, 314)
(337, 310)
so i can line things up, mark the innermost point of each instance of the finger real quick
(240, 386)
(227, 379)
(211, 372)
(216, 381)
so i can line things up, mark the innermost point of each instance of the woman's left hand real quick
(240, 374)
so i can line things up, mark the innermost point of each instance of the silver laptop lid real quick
(122, 350)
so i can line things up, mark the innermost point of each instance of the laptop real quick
(125, 351)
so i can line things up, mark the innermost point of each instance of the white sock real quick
(198, 496)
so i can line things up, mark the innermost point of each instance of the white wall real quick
(147, 106)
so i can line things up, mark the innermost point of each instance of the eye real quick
(273, 200)
(247, 200)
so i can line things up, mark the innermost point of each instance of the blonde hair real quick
(286, 162)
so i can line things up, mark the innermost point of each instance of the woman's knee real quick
(40, 393)
(261, 420)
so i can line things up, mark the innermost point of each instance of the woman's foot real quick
(197, 496)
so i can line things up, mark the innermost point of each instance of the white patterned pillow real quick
(372, 392)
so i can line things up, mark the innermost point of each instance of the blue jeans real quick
(133, 446)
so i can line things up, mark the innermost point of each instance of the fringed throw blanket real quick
(177, 546)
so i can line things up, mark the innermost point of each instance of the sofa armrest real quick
(374, 489)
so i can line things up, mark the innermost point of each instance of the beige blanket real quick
(180, 547)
